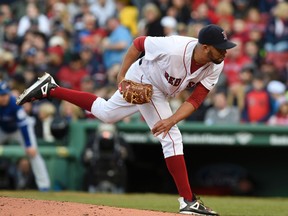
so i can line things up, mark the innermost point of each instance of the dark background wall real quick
(266, 169)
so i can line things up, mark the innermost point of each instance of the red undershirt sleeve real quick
(198, 95)
(139, 43)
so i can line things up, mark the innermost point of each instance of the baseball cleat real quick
(38, 91)
(195, 208)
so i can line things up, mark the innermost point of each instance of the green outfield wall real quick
(261, 148)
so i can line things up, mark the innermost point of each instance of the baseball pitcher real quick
(170, 65)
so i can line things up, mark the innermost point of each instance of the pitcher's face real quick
(216, 55)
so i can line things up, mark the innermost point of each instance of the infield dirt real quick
(31, 207)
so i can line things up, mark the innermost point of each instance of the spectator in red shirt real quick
(239, 30)
(55, 59)
(258, 106)
(200, 15)
(211, 4)
(71, 75)
(254, 20)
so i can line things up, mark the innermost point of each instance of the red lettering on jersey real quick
(166, 75)
(172, 80)
(177, 82)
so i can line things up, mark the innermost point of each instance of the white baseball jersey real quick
(167, 64)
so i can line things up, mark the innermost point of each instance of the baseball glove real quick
(135, 93)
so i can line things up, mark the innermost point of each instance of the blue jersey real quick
(13, 118)
(112, 57)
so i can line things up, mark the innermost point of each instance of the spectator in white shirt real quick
(33, 20)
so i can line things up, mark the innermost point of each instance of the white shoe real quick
(195, 208)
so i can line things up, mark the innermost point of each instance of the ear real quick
(206, 48)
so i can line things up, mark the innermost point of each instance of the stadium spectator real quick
(114, 47)
(169, 25)
(93, 63)
(234, 61)
(150, 23)
(240, 8)
(33, 20)
(71, 75)
(266, 8)
(10, 40)
(276, 35)
(103, 10)
(236, 95)
(269, 70)
(6, 16)
(258, 106)
(29, 40)
(252, 50)
(6, 13)
(55, 59)
(182, 29)
(74, 8)
(7, 63)
(128, 15)
(83, 7)
(223, 13)
(33, 42)
(253, 20)
(69, 112)
(221, 112)
(45, 116)
(60, 17)
(246, 76)
(239, 30)
(91, 35)
(277, 90)
(180, 10)
(163, 6)
(88, 84)
(281, 116)
(193, 29)
(17, 82)
(200, 15)
(22, 175)
(28, 56)
(58, 40)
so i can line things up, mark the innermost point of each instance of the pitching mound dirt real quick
(30, 207)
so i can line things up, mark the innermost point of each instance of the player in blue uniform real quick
(16, 125)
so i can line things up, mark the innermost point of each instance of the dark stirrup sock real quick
(177, 168)
(79, 98)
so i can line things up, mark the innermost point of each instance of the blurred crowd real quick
(81, 43)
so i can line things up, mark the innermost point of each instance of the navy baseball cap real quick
(215, 36)
(4, 88)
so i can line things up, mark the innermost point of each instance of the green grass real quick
(226, 206)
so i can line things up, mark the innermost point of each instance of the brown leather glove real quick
(135, 93)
